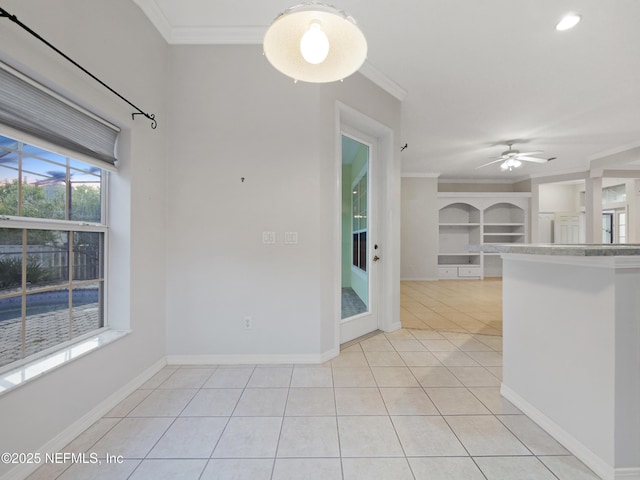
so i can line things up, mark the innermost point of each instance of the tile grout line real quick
(284, 410)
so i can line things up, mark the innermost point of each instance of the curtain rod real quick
(14, 19)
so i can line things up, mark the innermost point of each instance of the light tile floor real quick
(416, 404)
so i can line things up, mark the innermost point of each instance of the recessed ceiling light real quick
(570, 20)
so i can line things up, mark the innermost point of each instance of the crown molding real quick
(154, 14)
(241, 35)
(382, 80)
(419, 175)
(483, 180)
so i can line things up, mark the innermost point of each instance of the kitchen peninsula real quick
(571, 326)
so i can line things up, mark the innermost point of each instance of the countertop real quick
(590, 250)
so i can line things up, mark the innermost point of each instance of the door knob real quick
(376, 258)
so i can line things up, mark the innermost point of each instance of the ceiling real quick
(473, 74)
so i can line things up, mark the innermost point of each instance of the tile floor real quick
(419, 403)
(468, 306)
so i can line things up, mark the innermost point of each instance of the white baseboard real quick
(421, 279)
(393, 327)
(584, 454)
(61, 440)
(240, 359)
(627, 474)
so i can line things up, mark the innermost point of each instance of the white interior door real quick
(360, 249)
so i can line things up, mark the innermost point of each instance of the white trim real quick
(564, 171)
(243, 35)
(419, 175)
(36, 368)
(505, 181)
(393, 327)
(627, 474)
(420, 279)
(70, 433)
(595, 463)
(347, 119)
(157, 18)
(383, 81)
(9, 221)
(249, 359)
(484, 194)
(614, 151)
(601, 261)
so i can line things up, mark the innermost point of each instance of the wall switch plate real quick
(291, 238)
(268, 238)
(247, 323)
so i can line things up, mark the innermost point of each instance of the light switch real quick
(291, 238)
(269, 238)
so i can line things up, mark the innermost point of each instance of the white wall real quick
(115, 42)
(419, 228)
(233, 116)
(559, 197)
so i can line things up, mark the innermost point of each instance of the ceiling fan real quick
(513, 158)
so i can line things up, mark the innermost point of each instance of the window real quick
(622, 227)
(52, 238)
(359, 227)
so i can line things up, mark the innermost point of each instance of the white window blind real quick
(29, 107)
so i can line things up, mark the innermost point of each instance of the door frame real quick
(387, 189)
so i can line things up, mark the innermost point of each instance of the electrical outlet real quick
(247, 323)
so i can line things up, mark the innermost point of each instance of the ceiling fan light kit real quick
(510, 164)
(513, 158)
(315, 42)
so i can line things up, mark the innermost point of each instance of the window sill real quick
(34, 369)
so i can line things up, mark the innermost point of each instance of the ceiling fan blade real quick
(491, 163)
(535, 152)
(532, 159)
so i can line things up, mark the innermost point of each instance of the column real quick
(593, 208)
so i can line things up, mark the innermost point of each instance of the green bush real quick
(11, 272)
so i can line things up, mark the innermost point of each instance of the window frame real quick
(358, 256)
(70, 227)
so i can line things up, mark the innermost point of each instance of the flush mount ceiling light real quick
(570, 20)
(314, 42)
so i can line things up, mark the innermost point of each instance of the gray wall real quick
(419, 251)
(114, 41)
(188, 261)
(233, 116)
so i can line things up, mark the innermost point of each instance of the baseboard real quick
(240, 359)
(584, 454)
(421, 279)
(627, 474)
(61, 440)
(393, 327)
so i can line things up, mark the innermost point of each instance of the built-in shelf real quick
(459, 224)
(478, 218)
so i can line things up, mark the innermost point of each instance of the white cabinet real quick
(478, 218)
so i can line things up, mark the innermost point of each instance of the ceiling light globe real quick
(314, 45)
(346, 45)
(568, 21)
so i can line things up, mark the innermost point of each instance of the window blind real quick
(30, 107)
